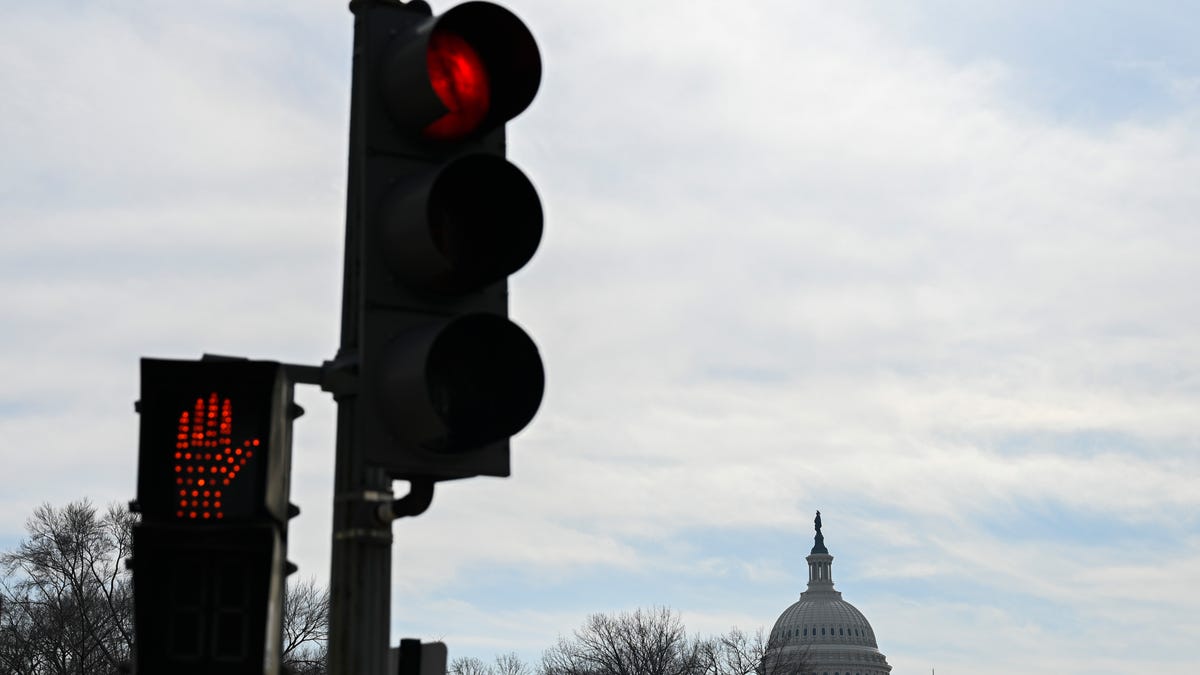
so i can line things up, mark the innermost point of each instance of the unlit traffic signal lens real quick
(469, 224)
(485, 380)
(470, 381)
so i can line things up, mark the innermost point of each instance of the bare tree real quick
(305, 627)
(468, 665)
(644, 642)
(734, 653)
(505, 664)
(786, 662)
(65, 598)
(66, 601)
(739, 653)
(654, 642)
(511, 664)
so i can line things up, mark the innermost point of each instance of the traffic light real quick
(209, 553)
(442, 219)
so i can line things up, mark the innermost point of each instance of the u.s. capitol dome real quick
(822, 634)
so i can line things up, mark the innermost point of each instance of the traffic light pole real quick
(361, 552)
(360, 581)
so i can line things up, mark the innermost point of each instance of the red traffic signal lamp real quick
(209, 555)
(438, 219)
(451, 77)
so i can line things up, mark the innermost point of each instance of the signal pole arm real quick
(336, 376)
(295, 373)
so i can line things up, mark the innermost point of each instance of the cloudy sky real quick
(930, 267)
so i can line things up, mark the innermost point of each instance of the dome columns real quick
(820, 572)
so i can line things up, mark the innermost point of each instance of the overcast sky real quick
(930, 267)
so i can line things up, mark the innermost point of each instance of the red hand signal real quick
(206, 458)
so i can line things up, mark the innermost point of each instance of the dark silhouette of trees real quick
(643, 642)
(505, 664)
(654, 642)
(468, 665)
(66, 598)
(66, 605)
(305, 627)
(66, 608)
(738, 653)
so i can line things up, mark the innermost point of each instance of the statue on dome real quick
(819, 539)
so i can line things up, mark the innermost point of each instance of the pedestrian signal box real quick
(214, 443)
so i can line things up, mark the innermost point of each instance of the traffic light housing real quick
(208, 601)
(209, 554)
(438, 220)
